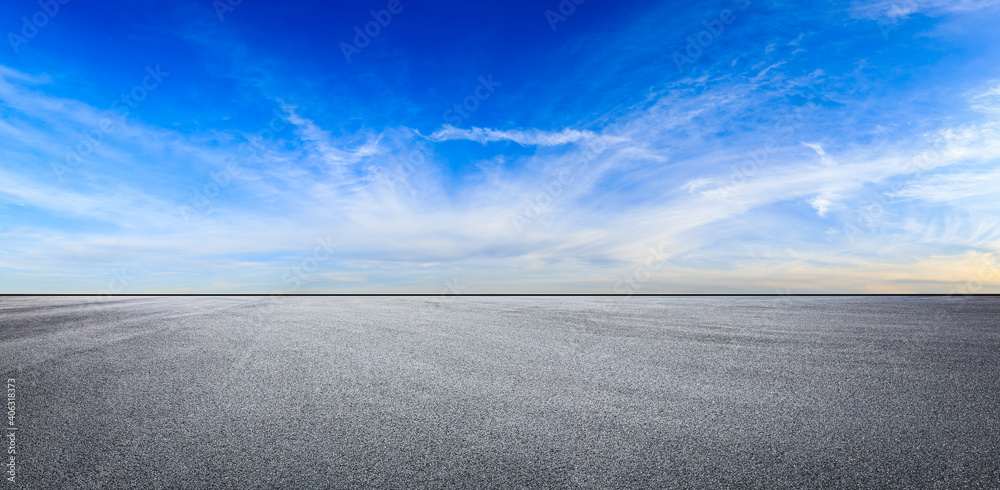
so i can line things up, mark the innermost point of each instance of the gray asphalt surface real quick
(504, 392)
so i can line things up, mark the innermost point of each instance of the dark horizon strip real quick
(521, 294)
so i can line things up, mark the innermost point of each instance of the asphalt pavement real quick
(501, 392)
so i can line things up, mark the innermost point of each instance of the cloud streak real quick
(750, 171)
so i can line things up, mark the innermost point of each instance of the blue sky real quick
(456, 147)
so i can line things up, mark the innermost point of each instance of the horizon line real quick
(509, 294)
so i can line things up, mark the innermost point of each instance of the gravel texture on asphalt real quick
(376, 392)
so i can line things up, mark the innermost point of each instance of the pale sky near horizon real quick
(539, 147)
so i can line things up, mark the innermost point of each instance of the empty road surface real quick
(193, 392)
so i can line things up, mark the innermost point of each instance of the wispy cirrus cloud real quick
(894, 10)
(746, 171)
(988, 101)
(329, 182)
(521, 137)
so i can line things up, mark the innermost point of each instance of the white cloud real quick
(821, 204)
(956, 188)
(818, 148)
(402, 224)
(896, 10)
(695, 185)
(323, 147)
(988, 101)
(333, 277)
(521, 137)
